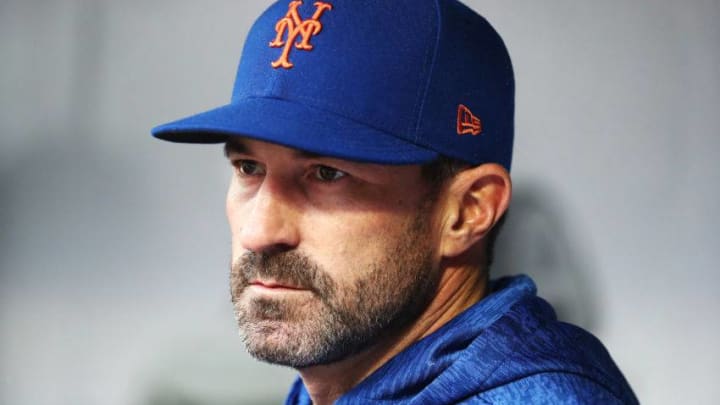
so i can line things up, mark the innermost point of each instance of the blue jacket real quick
(509, 348)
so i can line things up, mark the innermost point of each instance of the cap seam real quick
(426, 89)
(341, 112)
(386, 132)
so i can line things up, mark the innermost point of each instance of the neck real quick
(459, 288)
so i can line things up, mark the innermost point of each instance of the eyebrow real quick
(242, 148)
(234, 147)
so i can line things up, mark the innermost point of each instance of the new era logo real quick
(467, 122)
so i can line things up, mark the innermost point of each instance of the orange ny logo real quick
(294, 26)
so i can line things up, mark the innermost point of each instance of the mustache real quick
(291, 268)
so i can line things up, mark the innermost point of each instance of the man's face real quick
(328, 255)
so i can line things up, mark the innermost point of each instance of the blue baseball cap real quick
(390, 82)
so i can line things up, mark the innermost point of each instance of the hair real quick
(437, 173)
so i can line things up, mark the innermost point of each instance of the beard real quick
(332, 320)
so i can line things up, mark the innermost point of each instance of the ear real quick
(476, 200)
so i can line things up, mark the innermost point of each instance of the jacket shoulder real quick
(550, 388)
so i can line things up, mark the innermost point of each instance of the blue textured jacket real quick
(508, 348)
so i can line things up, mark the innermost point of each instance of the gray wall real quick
(114, 250)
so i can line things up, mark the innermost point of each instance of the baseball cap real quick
(390, 82)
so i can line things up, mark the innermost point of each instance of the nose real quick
(269, 223)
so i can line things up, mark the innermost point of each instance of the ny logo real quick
(295, 27)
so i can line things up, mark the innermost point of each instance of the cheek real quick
(347, 246)
(231, 211)
(234, 211)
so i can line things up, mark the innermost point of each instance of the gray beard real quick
(331, 322)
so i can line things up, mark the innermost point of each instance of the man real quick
(371, 144)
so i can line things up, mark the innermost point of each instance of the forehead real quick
(271, 153)
(263, 149)
(248, 146)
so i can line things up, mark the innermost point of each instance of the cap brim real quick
(296, 126)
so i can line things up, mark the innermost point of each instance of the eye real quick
(249, 167)
(328, 174)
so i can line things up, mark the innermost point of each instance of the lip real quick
(275, 286)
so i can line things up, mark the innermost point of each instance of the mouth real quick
(276, 286)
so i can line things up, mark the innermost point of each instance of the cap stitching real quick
(426, 90)
(339, 114)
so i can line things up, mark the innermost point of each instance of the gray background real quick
(114, 248)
